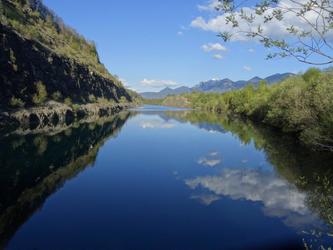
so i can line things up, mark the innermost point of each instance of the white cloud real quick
(214, 153)
(124, 81)
(180, 33)
(211, 160)
(247, 68)
(211, 6)
(251, 50)
(217, 56)
(280, 199)
(206, 199)
(131, 88)
(152, 124)
(158, 83)
(275, 28)
(213, 47)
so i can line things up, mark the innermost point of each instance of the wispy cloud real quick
(206, 199)
(277, 29)
(213, 47)
(211, 160)
(280, 199)
(247, 68)
(210, 6)
(123, 81)
(218, 57)
(152, 83)
(152, 124)
(131, 88)
(251, 50)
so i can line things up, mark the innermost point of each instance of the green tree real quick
(311, 74)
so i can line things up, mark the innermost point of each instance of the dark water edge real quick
(35, 166)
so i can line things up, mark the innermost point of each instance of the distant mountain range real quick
(215, 85)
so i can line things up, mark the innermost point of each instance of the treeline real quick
(301, 104)
(35, 21)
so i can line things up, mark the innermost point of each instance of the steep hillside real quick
(42, 59)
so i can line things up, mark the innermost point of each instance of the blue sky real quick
(151, 44)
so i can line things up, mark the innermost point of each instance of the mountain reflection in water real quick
(292, 185)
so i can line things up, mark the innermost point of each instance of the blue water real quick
(157, 180)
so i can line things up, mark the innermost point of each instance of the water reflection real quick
(299, 191)
(151, 124)
(35, 165)
(279, 198)
(211, 160)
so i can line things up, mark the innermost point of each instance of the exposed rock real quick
(25, 62)
(54, 114)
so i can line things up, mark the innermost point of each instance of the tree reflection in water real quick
(300, 190)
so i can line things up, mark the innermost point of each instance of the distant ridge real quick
(215, 85)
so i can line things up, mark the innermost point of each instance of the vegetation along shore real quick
(301, 105)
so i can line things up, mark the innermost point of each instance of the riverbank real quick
(54, 114)
(301, 105)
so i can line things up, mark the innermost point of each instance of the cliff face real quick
(26, 64)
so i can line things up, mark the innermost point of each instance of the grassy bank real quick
(302, 105)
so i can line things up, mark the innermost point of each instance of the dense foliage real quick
(301, 104)
(35, 21)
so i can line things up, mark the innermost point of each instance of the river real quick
(163, 178)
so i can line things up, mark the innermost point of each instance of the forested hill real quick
(43, 59)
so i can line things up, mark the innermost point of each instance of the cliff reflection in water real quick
(293, 186)
(34, 166)
(299, 191)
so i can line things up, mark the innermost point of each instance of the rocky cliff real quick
(32, 73)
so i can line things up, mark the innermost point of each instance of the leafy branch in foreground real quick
(302, 29)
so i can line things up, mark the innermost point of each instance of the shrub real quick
(92, 98)
(76, 107)
(56, 96)
(123, 99)
(16, 102)
(68, 101)
(41, 93)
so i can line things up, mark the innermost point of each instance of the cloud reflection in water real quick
(152, 124)
(279, 198)
(211, 160)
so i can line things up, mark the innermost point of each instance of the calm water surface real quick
(157, 178)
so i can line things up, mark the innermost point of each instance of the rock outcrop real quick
(25, 63)
(53, 115)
